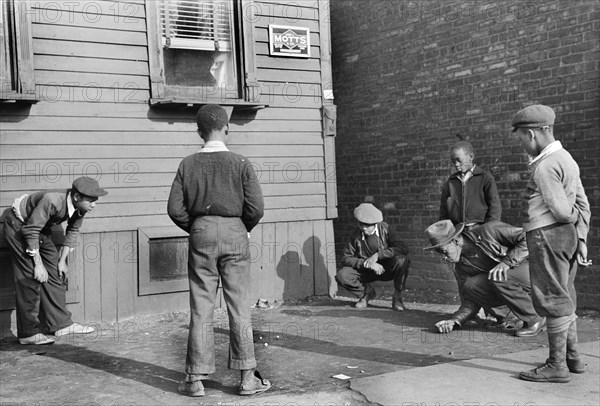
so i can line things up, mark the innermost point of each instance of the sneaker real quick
(74, 328)
(37, 339)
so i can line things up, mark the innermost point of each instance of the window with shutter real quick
(202, 51)
(16, 52)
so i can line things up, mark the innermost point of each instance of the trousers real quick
(515, 292)
(41, 307)
(553, 269)
(354, 280)
(218, 248)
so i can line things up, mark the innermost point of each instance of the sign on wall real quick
(289, 41)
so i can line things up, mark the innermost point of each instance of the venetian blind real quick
(196, 24)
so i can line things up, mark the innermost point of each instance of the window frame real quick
(24, 80)
(168, 95)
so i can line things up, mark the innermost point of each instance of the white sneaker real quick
(37, 339)
(74, 328)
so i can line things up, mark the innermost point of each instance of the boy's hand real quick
(40, 274)
(378, 268)
(372, 260)
(62, 269)
(582, 252)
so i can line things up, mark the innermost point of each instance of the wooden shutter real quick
(16, 51)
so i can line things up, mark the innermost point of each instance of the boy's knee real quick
(343, 275)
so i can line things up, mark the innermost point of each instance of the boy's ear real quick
(531, 135)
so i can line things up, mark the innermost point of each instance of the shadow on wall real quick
(304, 274)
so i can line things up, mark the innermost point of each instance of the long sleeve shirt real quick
(555, 192)
(218, 183)
(43, 210)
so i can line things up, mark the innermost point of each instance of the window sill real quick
(176, 102)
(21, 98)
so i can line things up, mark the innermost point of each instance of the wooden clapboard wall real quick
(93, 118)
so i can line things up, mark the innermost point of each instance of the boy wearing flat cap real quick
(373, 252)
(558, 222)
(39, 268)
(491, 270)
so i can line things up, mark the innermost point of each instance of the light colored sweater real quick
(556, 194)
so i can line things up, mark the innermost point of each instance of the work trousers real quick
(218, 247)
(354, 280)
(552, 254)
(515, 292)
(41, 307)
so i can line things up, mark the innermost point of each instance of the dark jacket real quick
(356, 251)
(476, 201)
(501, 242)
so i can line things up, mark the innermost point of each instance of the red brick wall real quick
(413, 77)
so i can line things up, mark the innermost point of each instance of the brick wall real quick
(413, 77)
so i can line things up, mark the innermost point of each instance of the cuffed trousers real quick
(218, 246)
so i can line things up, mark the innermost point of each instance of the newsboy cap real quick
(88, 186)
(536, 115)
(368, 214)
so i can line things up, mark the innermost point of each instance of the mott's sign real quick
(289, 41)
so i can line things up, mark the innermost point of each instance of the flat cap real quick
(368, 214)
(536, 115)
(88, 186)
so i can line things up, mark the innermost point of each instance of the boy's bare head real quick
(211, 118)
(462, 155)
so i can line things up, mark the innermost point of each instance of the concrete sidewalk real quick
(392, 358)
(484, 381)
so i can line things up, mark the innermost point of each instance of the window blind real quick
(196, 24)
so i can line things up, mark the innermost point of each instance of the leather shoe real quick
(74, 328)
(193, 389)
(533, 330)
(576, 365)
(37, 339)
(546, 373)
(397, 304)
(369, 294)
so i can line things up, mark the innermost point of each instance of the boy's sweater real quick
(556, 194)
(215, 184)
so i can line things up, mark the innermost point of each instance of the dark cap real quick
(89, 187)
(368, 214)
(441, 232)
(534, 116)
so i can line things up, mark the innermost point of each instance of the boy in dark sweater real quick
(558, 223)
(39, 269)
(217, 199)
